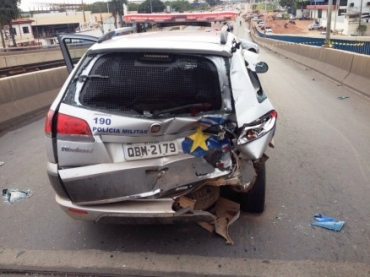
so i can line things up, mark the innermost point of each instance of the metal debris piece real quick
(327, 222)
(227, 213)
(2, 163)
(343, 97)
(13, 195)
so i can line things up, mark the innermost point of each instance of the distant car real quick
(314, 26)
(269, 31)
(265, 27)
(279, 15)
(250, 46)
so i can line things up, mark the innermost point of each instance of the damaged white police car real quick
(146, 121)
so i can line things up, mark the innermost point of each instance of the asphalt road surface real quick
(320, 165)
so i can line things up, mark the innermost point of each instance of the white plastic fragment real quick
(2, 163)
(13, 195)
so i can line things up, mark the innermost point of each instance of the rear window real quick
(140, 83)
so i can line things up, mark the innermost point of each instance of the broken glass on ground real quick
(13, 195)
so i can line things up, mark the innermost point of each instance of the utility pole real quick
(264, 31)
(360, 16)
(328, 25)
(336, 13)
(2, 35)
(83, 10)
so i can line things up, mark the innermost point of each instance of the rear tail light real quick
(48, 123)
(69, 125)
(258, 128)
(77, 211)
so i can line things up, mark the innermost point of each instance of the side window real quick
(257, 85)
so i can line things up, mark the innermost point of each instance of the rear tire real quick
(254, 200)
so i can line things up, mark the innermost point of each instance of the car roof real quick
(204, 41)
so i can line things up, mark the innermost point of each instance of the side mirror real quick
(261, 67)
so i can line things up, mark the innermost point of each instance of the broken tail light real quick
(258, 128)
(70, 125)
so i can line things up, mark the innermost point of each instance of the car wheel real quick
(254, 200)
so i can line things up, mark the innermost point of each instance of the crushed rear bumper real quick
(153, 211)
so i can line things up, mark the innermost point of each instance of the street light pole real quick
(151, 8)
(264, 31)
(360, 16)
(328, 25)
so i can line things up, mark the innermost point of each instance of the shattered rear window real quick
(140, 83)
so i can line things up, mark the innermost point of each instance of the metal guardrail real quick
(27, 49)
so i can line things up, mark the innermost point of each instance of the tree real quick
(8, 11)
(361, 29)
(213, 2)
(294, 4)
(149, 6)
(133, 6)
(179, 5)
(116, 8)
(97, 7)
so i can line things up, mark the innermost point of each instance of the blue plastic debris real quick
(327, 222)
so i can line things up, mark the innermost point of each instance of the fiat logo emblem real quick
(155, 128)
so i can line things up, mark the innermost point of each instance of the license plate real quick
(149, 150)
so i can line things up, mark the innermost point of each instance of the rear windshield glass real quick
(140, 83)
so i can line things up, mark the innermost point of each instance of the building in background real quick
(346, 14)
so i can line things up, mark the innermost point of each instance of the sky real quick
(27, 5)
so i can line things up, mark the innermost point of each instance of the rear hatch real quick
(128, 125)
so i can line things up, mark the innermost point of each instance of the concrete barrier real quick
(24, 95)
(2, 62)
(17, 60)
(335, 64)
(24, 58)
(359, 77)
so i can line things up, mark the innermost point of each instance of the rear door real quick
(124, 124)
(74, 46)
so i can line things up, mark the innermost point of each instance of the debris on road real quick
(13, 195)
(327, 222)
(343, 97)
(227, 212)
(2, 163)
